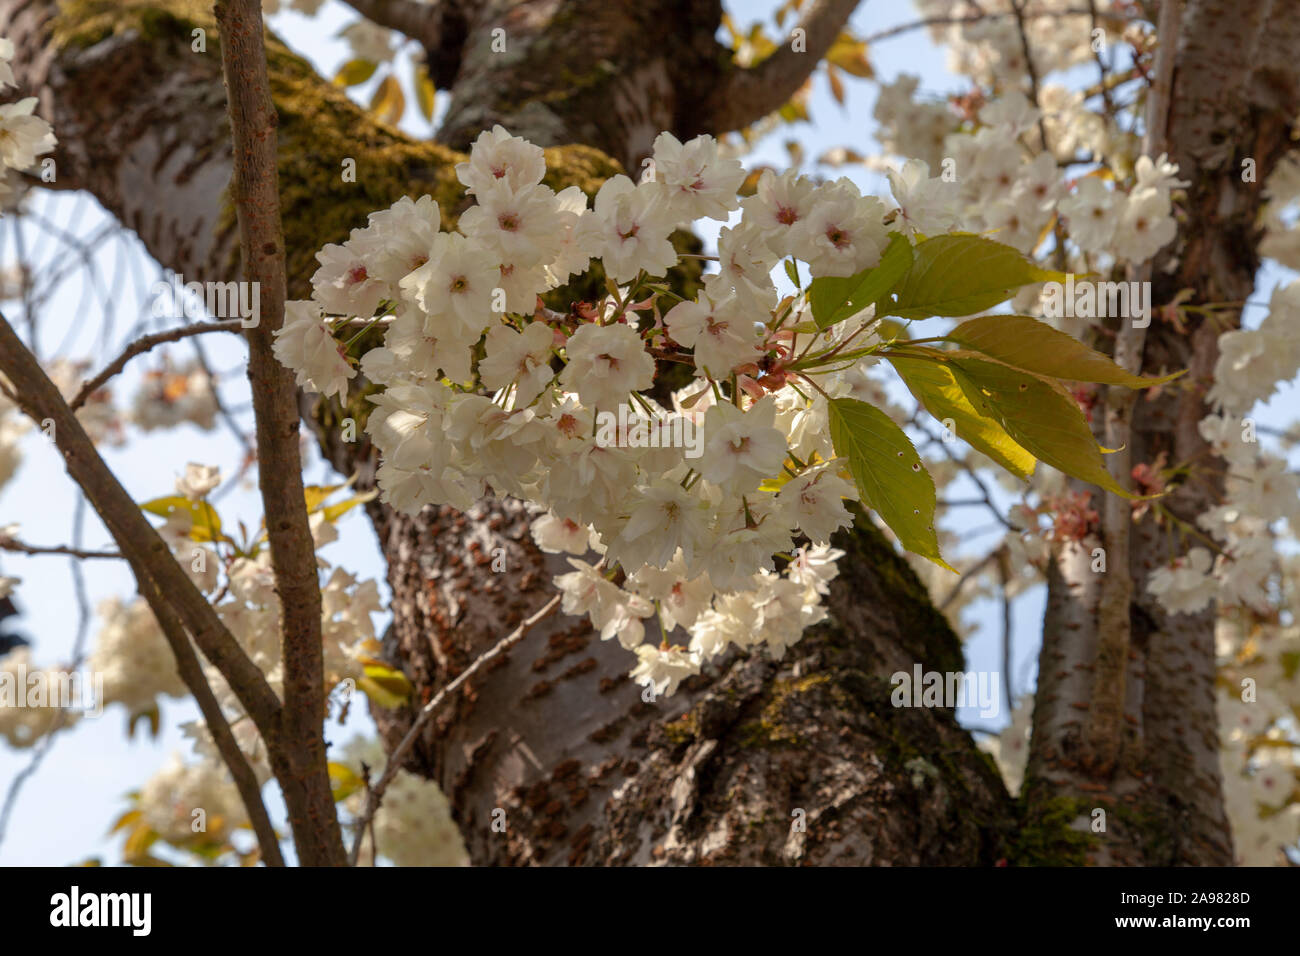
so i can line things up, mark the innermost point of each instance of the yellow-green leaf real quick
(355, 71)
(888, 473)
(1024, 342)
(127, 819)
(335, 511)
(205, 523)
(960, 274)
(343, 780)
(138, 842)
(425, 91)
(850, 55)
(389, 102)
(1040, 416)
(384, 685)
(933, 385)
(150, 716)
(835, 298)
(315, 495)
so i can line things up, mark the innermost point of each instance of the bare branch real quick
(743, 96)
(374, 794)
(140, 543)
(419, 21)
(144, 344)
(944, 21)
(256, 192)
(18, 547)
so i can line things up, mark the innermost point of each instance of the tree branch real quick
(139, 542)
(256, 192)
(144, 344)
(19, 547)
(418, 21)
(987, 16)
(191, 672)
(743, 96)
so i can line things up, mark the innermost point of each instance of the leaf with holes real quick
(933, 385)
(1040, 416)
(888, 473)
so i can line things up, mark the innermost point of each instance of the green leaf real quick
(355, 71)
(933, 385)
(962, 274)
(1024, 342)
(792, 270)
(1040, 416)
(888, 473)
(205, 523)
(835, 298)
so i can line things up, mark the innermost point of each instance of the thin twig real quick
(970, 18)
(18, 547)
(144, 344)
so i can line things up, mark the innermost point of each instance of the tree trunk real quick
(1235, 95)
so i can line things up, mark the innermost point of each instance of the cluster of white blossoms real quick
(191, 803)
(413, 825)
(1259, 745)
(988, 47)
(557, 408)
(133, 657)
(1259, 489)
(138, 667)
(23, 136)
(171, 395)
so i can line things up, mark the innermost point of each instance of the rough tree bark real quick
(1235, 96)
(555, 735)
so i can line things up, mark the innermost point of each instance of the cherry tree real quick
(662, 535)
